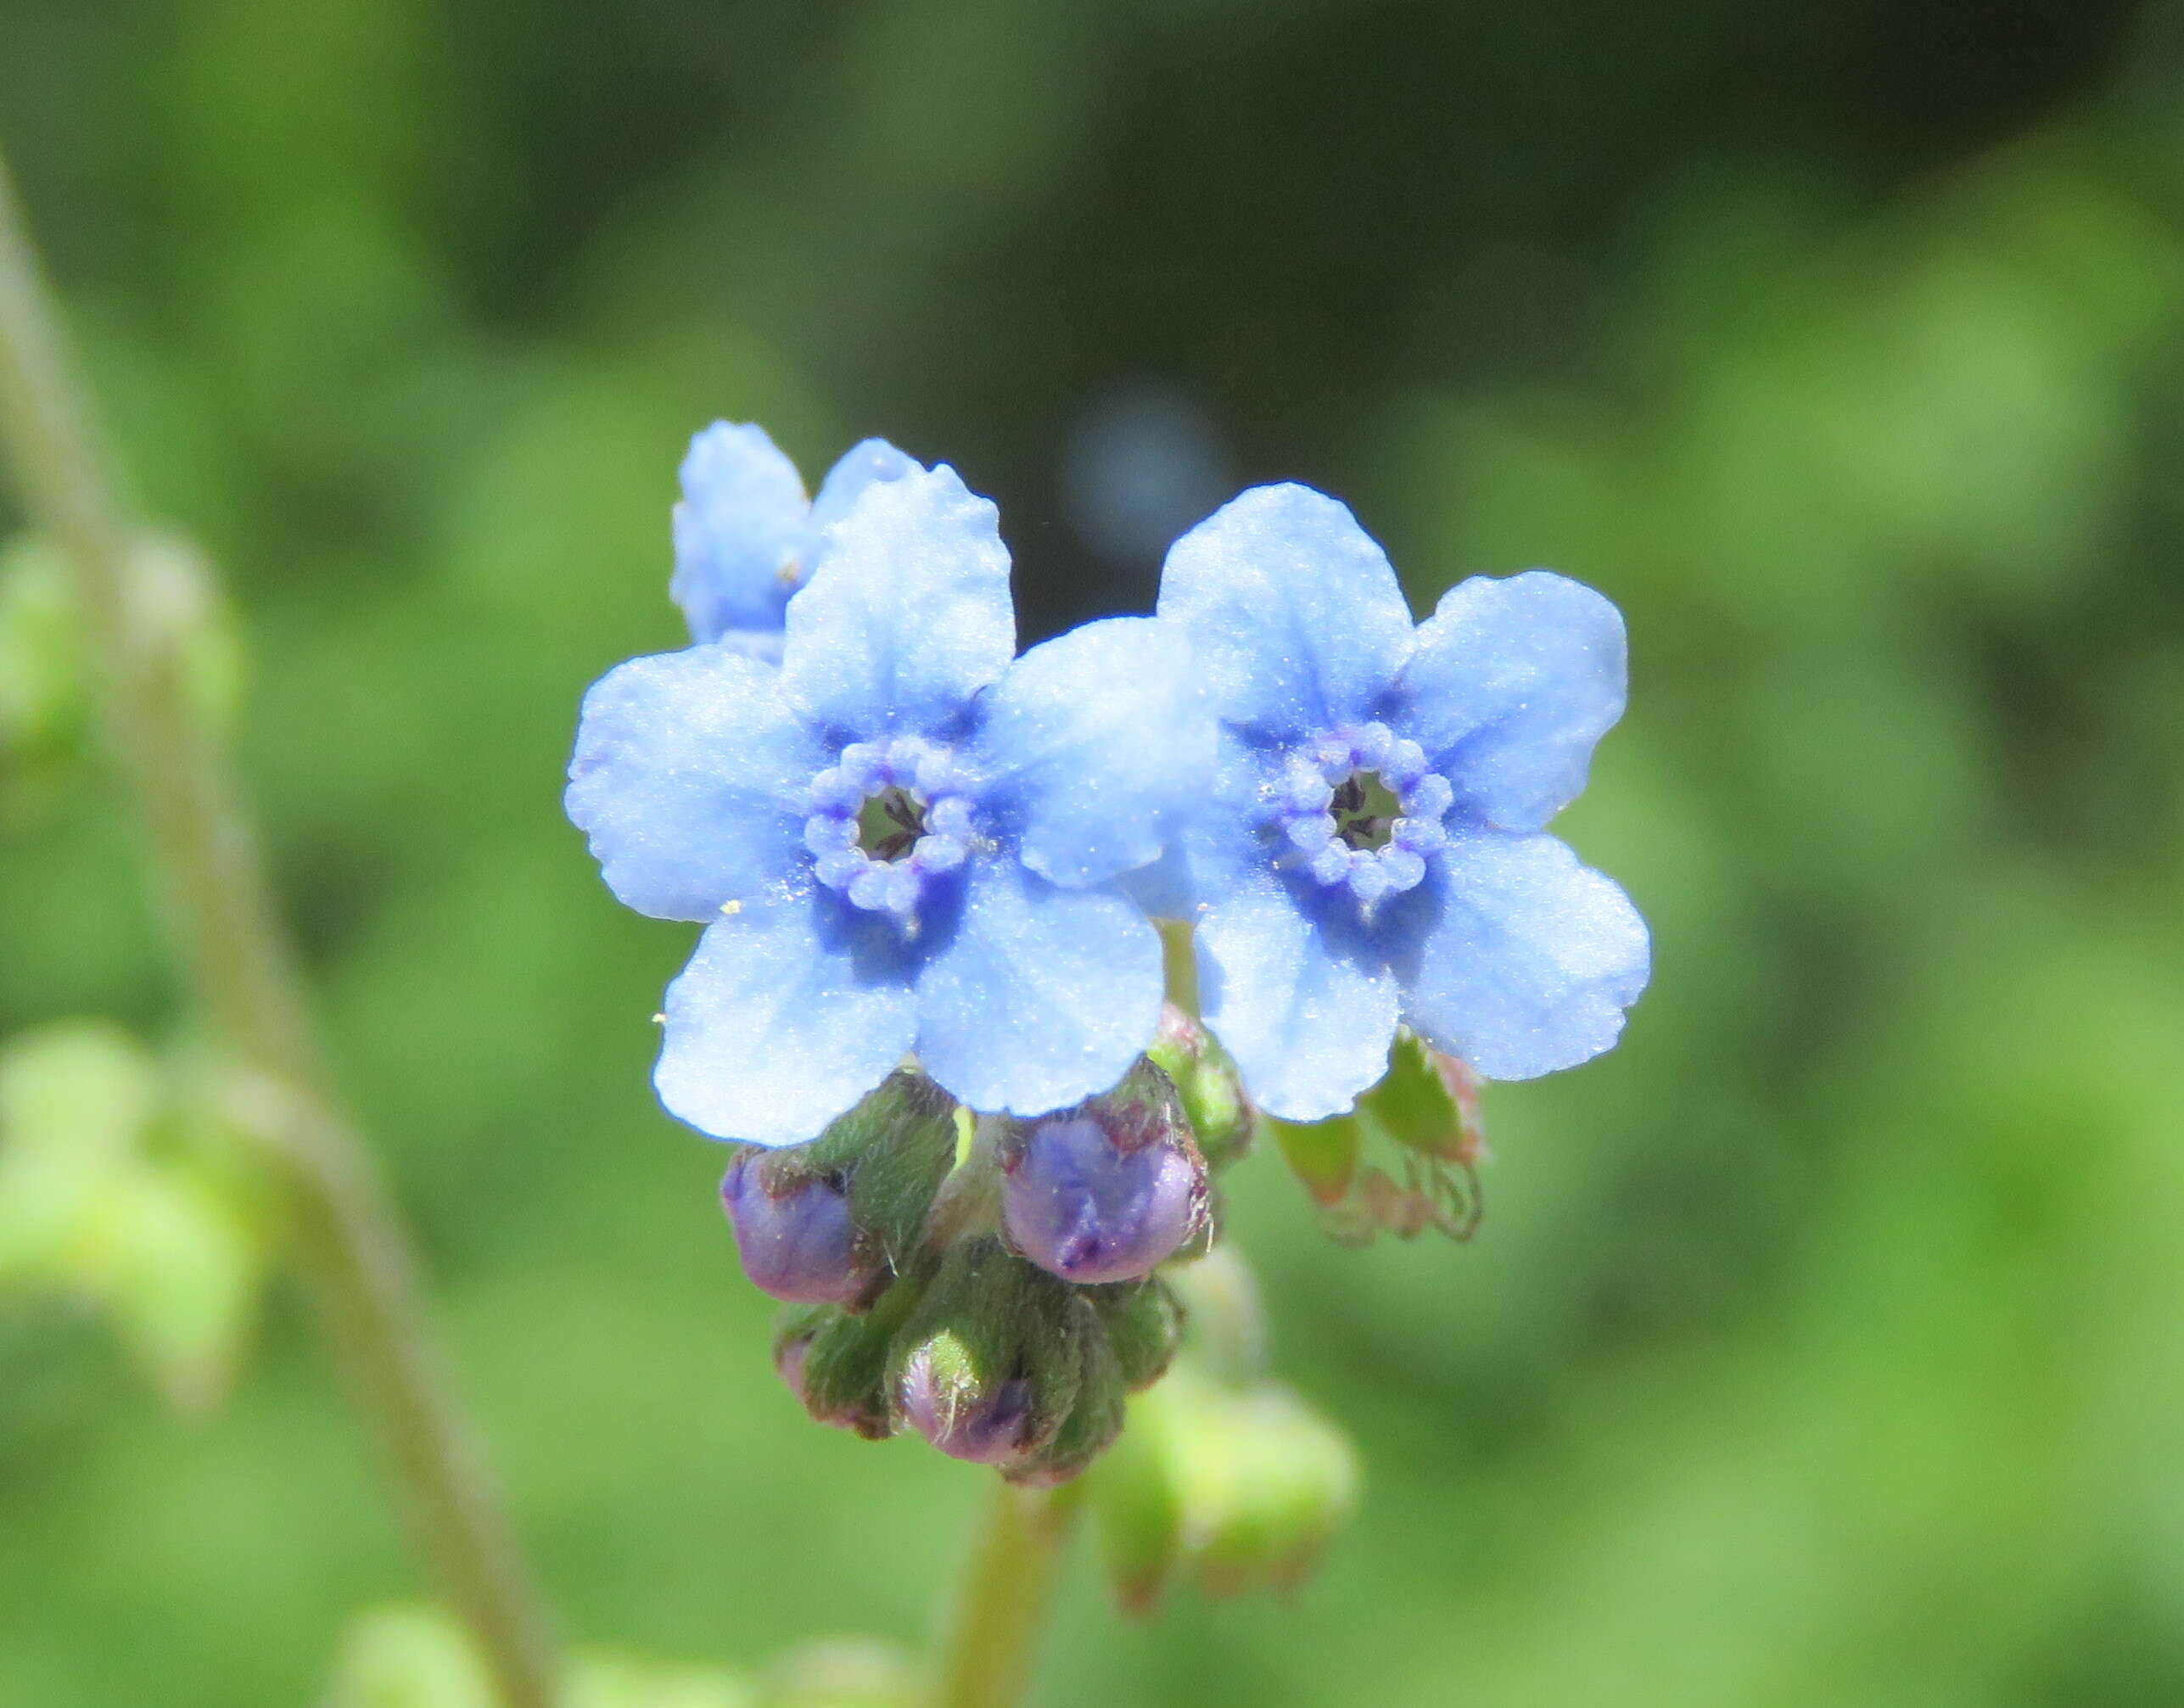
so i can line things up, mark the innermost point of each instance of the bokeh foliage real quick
(1825, 1344)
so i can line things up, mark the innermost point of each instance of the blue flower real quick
(1373, 848)
(746, 536)
(902, 839)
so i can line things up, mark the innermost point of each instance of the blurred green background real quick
(1824, 1343)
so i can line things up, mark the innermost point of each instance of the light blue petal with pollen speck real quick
(1512, 683)
(1303, 1003)
(1094, 747)
(907, 614)
(1295, 613)
(863, 465)
(790, 1011)
(1042, 997)
(738, 531)
(1532, 961)
(689, 778)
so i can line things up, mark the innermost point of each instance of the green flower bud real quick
(1136, 1500)
(1220, 1468)
(77, 1100)
(1323, 1154)
(122, 1184)
(837, 1363)
(1094, 1421)
(840, 1672)
(180, 1270)
(1227, 1318)
(407, 1653)
(1205, 1080)
(1267, 1483)
(1246, 1485)
(1144, 1325)
(1429, 1102)
(991, 1361)
(1426, 1107)
(613, 1680)
(42, 697)
(894, 1148)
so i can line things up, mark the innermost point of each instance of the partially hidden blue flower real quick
(1373, 848)
(904, 839)
(746, 535)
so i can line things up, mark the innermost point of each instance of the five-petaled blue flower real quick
(904, 838)
(1373, 849)
(745, 537)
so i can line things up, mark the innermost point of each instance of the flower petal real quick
(764, 645)
(1295, 613)
(1532, 960)
(863, 465)
(1164, 889)
(1042, 997)
(1512, 683)
(790, 1011)
(1299, 997)
(1225, 832)
(689, 779)
(738, 531)
(908, 614)
(1095, 746)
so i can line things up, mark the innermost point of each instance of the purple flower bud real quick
(964, 1420)
(1105, 1191)
(836, 1364)
(991, 1361)
(793, 1230)
(789, 1361)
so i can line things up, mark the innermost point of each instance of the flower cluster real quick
(1000, 1305)
(910, 846)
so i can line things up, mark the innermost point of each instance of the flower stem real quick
(346, 1237)
(989, 1645)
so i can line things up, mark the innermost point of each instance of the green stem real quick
(349, 1240)
(989, 1645)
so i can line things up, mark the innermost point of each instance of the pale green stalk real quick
(345, 1235)
(989, 1644)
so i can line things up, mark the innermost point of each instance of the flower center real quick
(1360, 809)
(889, 823)
(884, 820)
(1365, 809)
